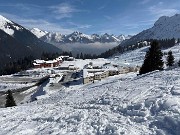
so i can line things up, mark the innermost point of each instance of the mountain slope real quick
(11, 49)
(26, 43)
(6, 25)
(38, 33)
(164, 28)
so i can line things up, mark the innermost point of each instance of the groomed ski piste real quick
(125, 104)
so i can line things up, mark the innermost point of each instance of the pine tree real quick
(179, 63)
(81, 56)
(153, 59)
(10, 100)
(170, 59)
(77, 56)
(178, 40)
(70, 54)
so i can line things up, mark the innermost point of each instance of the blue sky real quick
(88, 16)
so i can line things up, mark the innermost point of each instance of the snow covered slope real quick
(17, 42)
(164, 28)
(128, 105)
(38, 33)
(8, 26)
(125, 104)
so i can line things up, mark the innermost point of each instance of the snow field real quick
(117, 105)
(125, 104)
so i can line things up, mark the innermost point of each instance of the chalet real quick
(51, 63)
(123, 70)
(70, 59)
(47, 64)
(39, 63)
(64, 58)
(89, 75)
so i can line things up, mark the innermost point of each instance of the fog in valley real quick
(91, 48)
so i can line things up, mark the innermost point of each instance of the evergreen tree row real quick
(17, 66)
(163, 44)
(86, 56)
(51, 56)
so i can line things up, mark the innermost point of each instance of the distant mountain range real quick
(17, 42)
(77, 37)
(164, 28)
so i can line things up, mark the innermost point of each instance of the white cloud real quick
(45, 25)
(85, 26)
(80, 26)
(102, 7)
(64, 10)
(38, 23)
(108, 17)
(162, 10)
(145, 1)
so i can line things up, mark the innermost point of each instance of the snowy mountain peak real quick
(164, 28)
(77, 33)
(122, 37)
(166, 19)
(3, 19)
(8, 26)
(95, 35)
(4, 25)
(79, 37)
(37, 29)
(105, 34)
(76, 37)
(161, 20)
(38, 33)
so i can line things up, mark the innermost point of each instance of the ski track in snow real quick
(114, 106)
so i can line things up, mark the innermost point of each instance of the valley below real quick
(90, 48)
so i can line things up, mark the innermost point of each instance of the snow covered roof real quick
(51, 61)
(39, 61)
(3, 25)
(43, 61)
(64, 56)
(71, 58)
(87, 74)
(92, 72)
(110, 67)
(35, 64)
(98, 73)
(59, 58)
